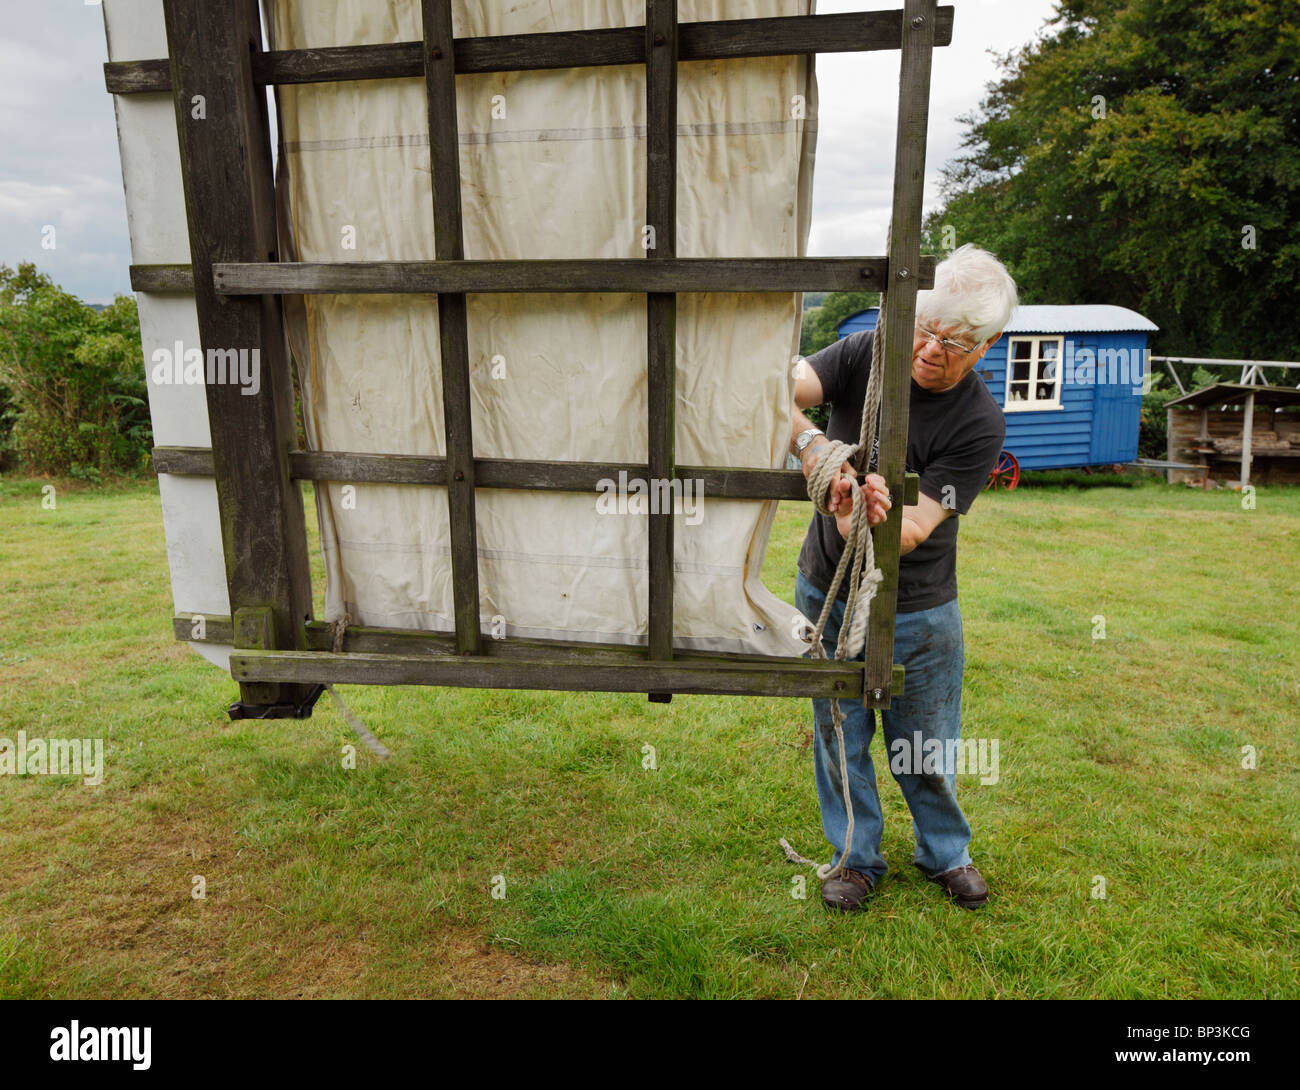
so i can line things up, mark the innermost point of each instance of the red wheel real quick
(1006, 472)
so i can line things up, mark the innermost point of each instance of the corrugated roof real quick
(1087, 318)
(1231, 393)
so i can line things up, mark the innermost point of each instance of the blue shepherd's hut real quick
(1072, 391)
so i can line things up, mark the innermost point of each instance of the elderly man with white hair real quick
(955, 433)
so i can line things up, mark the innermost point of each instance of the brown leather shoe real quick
(847, 891)
(964, 885)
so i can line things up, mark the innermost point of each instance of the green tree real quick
(820, 323)
(74, 379)
(1146, 153)
(820, 328)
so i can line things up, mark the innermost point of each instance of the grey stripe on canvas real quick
(537, 136)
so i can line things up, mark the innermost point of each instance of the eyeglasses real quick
(949, 347)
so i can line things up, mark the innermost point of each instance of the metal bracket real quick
(240, 710)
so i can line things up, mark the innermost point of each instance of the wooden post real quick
(1205, 458)
(899, 317)
(221, 121)
(1247, 434)
(444, 158)
(661, 312)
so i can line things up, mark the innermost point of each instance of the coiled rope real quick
(859, 561)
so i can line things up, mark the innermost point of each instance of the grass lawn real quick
(1120, 764)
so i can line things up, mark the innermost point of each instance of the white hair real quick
(972, 291)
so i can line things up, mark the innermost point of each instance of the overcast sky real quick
(59, 159)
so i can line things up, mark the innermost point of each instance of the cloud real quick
(60, 165)
(858, 110)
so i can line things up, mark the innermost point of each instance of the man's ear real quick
(989, 344)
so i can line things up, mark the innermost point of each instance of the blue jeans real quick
(929, 646)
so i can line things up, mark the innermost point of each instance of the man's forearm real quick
(909, 535)
(798, 425)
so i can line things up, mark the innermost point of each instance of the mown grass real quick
(1120, 759)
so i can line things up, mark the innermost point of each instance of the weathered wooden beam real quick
(394, 641)
(183, 461)
(689, 274)
(898, 318)
(849, 32)
(371, 468)
(718, 482)
(225, 152)
(842, 33)
(661, 310)
(138, 77)
(204, 628)
(695, 274)
(768, 677)
(453, 330)
(369, 640)
(331, 64)
(163, 278)
(361, 640)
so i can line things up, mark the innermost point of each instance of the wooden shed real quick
(1236, 432)
(1073, 391)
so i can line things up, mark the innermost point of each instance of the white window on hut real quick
(1033, 373)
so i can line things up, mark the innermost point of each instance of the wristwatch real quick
(804, 438)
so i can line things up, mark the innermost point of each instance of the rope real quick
(338, 629)
(859, 560)
(369, 740)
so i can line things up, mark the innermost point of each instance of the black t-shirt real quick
(953, 441)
